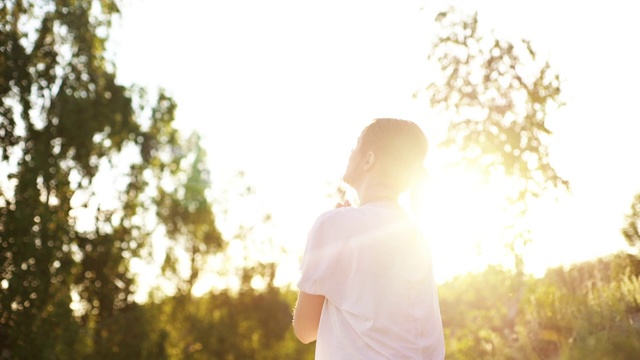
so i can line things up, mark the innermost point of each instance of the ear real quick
(369, 161)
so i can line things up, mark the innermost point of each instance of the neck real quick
(371, 191)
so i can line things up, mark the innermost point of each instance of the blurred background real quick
(162, 161)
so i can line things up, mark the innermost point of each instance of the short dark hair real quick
(400, 146)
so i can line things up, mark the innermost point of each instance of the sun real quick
(463, 217)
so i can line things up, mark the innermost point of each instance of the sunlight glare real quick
(462, 216)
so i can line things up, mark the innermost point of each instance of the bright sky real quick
(282, 89)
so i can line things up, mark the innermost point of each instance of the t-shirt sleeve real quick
(321, 262)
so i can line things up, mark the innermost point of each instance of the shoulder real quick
(329, 221)
(336, 215)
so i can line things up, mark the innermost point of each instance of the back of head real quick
(400, 148)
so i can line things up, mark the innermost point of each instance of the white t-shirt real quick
(374, 268)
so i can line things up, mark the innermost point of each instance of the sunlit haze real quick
(281, 90)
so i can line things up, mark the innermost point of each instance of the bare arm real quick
(306, 316)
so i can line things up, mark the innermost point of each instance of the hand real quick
(346, 203)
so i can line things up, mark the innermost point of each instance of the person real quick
(367, 289)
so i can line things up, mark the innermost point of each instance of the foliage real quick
(67, 128)
(68, 240)
(591, 310)
(248, 325)
(477, 315)
(497, 94)
(187, 214)
(631, 231)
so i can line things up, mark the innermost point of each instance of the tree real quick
(187, 214)
(497, 94)
(65, 123)
(631, 231)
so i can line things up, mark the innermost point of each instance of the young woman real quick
(367, 289)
